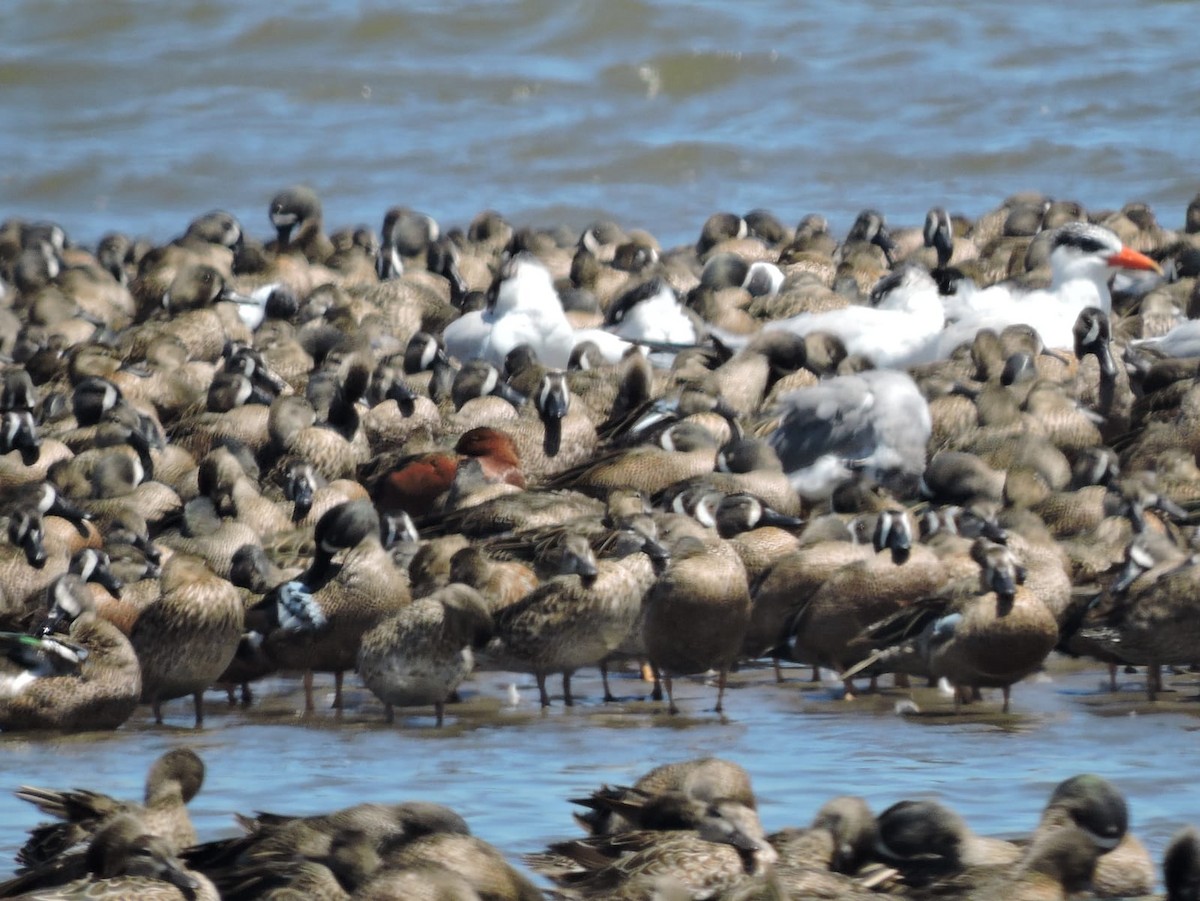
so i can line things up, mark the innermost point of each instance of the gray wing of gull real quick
(878, 417)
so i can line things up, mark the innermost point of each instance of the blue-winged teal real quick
(552, 434)
(1181, 866)
(122, 862)
(991, 639)
(1084, 821)
(204, 534)
(171, 782)
(479, 863)
(479, 395)
(723, 847)
(1057, 865)
(187, 636)
(315, 622)
(822, 860)
(746, 466)
(289, 838)
(1095, 806)
(419, 655)
(406, 235)
(931, 845)
(702, 778)
(697, 613)
(783, 591)
(572, 620)
(684, 451)
(827, 630)
(296, 214)
(744, 380)
(81, 673)
(417, 882)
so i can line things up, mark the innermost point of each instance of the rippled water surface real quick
(137, 116)
(510, 771)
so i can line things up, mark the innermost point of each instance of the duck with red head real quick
(415, 483)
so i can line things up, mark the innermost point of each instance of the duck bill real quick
(104, 576)
(174, 874)
(56, 622)
(67, 510)
(1104, 357)
(555, 404)
(35, 550)
(883, 240)
(775, 518)
(304, 493)
(1168, 507)
(659, 555)
(1128, 258)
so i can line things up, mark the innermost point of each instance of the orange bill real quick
(1131, 259)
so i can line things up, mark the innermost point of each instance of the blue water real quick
(137, 116)
(510, 771)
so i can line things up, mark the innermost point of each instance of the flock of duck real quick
(684, 830)
(941, 453)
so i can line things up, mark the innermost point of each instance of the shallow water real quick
(138, 116)
(510, 771)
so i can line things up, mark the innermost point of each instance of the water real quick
(138, 116)
(510, 771)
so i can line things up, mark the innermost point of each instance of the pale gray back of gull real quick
(875, 422)
(901, 329)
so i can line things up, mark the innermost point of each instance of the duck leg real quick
(568, 700)
(722, 678)
(309, 706)
(609, 697)
(541, 684)
(671, 708)
(198, 704)
(439, 710)
(847, 689)
(338, 677)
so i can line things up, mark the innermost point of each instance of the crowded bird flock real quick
(938, 454)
